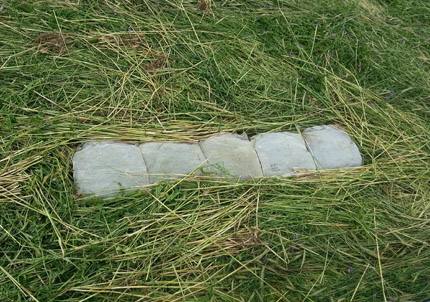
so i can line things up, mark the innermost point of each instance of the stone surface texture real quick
(282, 153)
(103, 169)
(231, 154)
(166, 160)
(332, 148)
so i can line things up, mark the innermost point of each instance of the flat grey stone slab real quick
(231, 154)
(103, 169)
(332, 148)
(166, 160)
(282, 153)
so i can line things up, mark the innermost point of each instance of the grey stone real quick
(332, 148)
(166, 160)
(282, 153)
(103, 169)
(231, 154)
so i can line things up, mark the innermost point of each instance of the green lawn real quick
(138, 70)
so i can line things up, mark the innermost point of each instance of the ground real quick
(79, 70)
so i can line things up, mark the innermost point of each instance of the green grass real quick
(71, 72)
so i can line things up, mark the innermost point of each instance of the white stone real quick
(332, 148)
(103, 169)
(166, 160)
(282, 153)
(231, 154)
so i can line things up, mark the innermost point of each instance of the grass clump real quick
(73, 71)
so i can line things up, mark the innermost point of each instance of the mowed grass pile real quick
(79, 70)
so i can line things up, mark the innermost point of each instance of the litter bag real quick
(332, 148)
(166, 160)
(105, 168)
(282, 153)
(231, 154)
